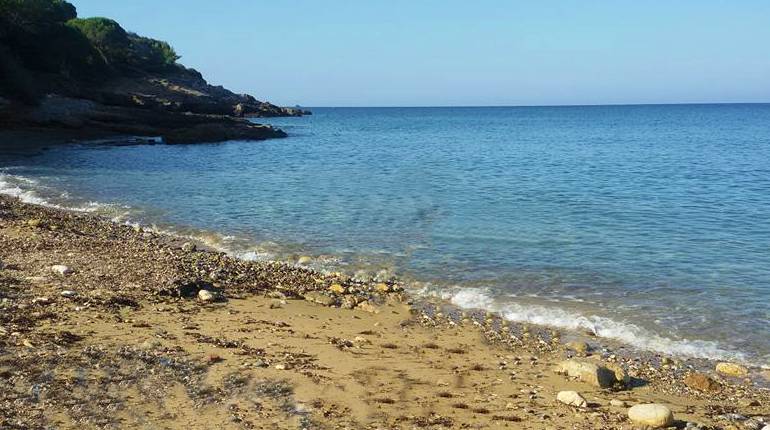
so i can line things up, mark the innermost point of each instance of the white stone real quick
(206, 296)
(68, 293)
(651, 415)
(592, 373)
(571, 398)
(61, 269)
(618, 403)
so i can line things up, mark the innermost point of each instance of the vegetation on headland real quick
(60, 71)
(45, 40)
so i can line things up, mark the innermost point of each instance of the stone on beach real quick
(580, 347)
(206, 296)
(367, 307)
(61, 269)
(701, 382)
(732, 369)
(304, 260)
(337, 289)
(651, 415)
(572, 398)
(621, 376)
(591, 373)
(321, 299)
(189, 247)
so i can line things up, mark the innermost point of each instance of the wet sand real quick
(122, 337)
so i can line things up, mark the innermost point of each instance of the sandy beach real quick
(108, 326)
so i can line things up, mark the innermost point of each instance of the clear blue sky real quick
(429, 53)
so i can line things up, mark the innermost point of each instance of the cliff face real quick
(58, 71)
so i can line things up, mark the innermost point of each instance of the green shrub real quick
(107, 36)
(151, 53)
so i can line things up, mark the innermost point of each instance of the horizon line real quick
(526, 106)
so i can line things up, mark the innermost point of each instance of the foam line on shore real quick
(631, 334)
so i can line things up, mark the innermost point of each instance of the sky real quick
(465, 53)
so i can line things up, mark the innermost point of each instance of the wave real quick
(628, 333)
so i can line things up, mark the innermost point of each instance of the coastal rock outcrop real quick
(651, 415)
(89, 78)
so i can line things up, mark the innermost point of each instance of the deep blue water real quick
(649, 224)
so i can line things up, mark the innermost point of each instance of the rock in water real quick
(61, 269)
(571, 398)
(585, 371)
(188, 247)
(651, 415)
(304, 260)
(701, 382)
(206, 296)
(732, 369)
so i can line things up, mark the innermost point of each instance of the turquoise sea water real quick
(647, 224)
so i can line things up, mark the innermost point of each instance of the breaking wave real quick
(628, 333)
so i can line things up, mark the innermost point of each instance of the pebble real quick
(189, 247)
(61, 269)
(618, 403)
(321, 299)
(367, 307)
(303, 260)
(701, 382)
(68, 293)
(206, 296)
(732, 369)
(580, 347)
(651, 415)
(572, 398)
(337, 289)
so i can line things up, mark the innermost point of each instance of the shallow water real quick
(648, 224)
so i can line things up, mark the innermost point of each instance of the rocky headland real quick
(91, 78)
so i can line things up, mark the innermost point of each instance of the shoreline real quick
(311, 349)
(701, 354)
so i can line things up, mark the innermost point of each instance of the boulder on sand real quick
(586, 371)
(732, 369)
(571, 398)
(651, 415)
(701, 382)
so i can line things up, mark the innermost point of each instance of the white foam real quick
(631, 334)
(11, 185)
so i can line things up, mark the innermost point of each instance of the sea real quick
(644, 224)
